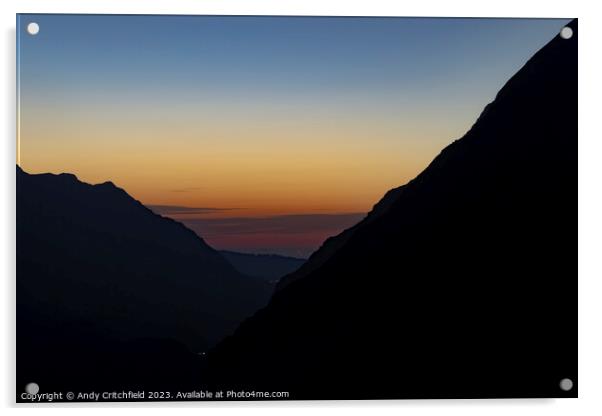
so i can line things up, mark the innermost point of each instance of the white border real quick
(590, 201)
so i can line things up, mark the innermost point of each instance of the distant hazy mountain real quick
(269, 267)
(103, 283)
(461, 283)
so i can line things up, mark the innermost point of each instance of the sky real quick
(263, 134)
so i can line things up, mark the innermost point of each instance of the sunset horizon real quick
(278, 150)
(299, 208)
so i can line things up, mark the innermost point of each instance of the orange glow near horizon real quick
(252, 169)
(258, 117)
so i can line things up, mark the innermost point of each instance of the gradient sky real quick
(277, 131)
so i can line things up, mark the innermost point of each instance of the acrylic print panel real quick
(281, 208)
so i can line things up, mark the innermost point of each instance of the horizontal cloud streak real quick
(283, 224)
(292, 235)
(183, 190)
(177, 209)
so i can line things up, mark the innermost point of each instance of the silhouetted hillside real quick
(269, 267)
(332, 244)
(108, 290)
(462, 283)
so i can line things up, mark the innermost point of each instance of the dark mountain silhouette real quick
(269, 267)
(109, 292)
(333, 244)
(461, 283)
